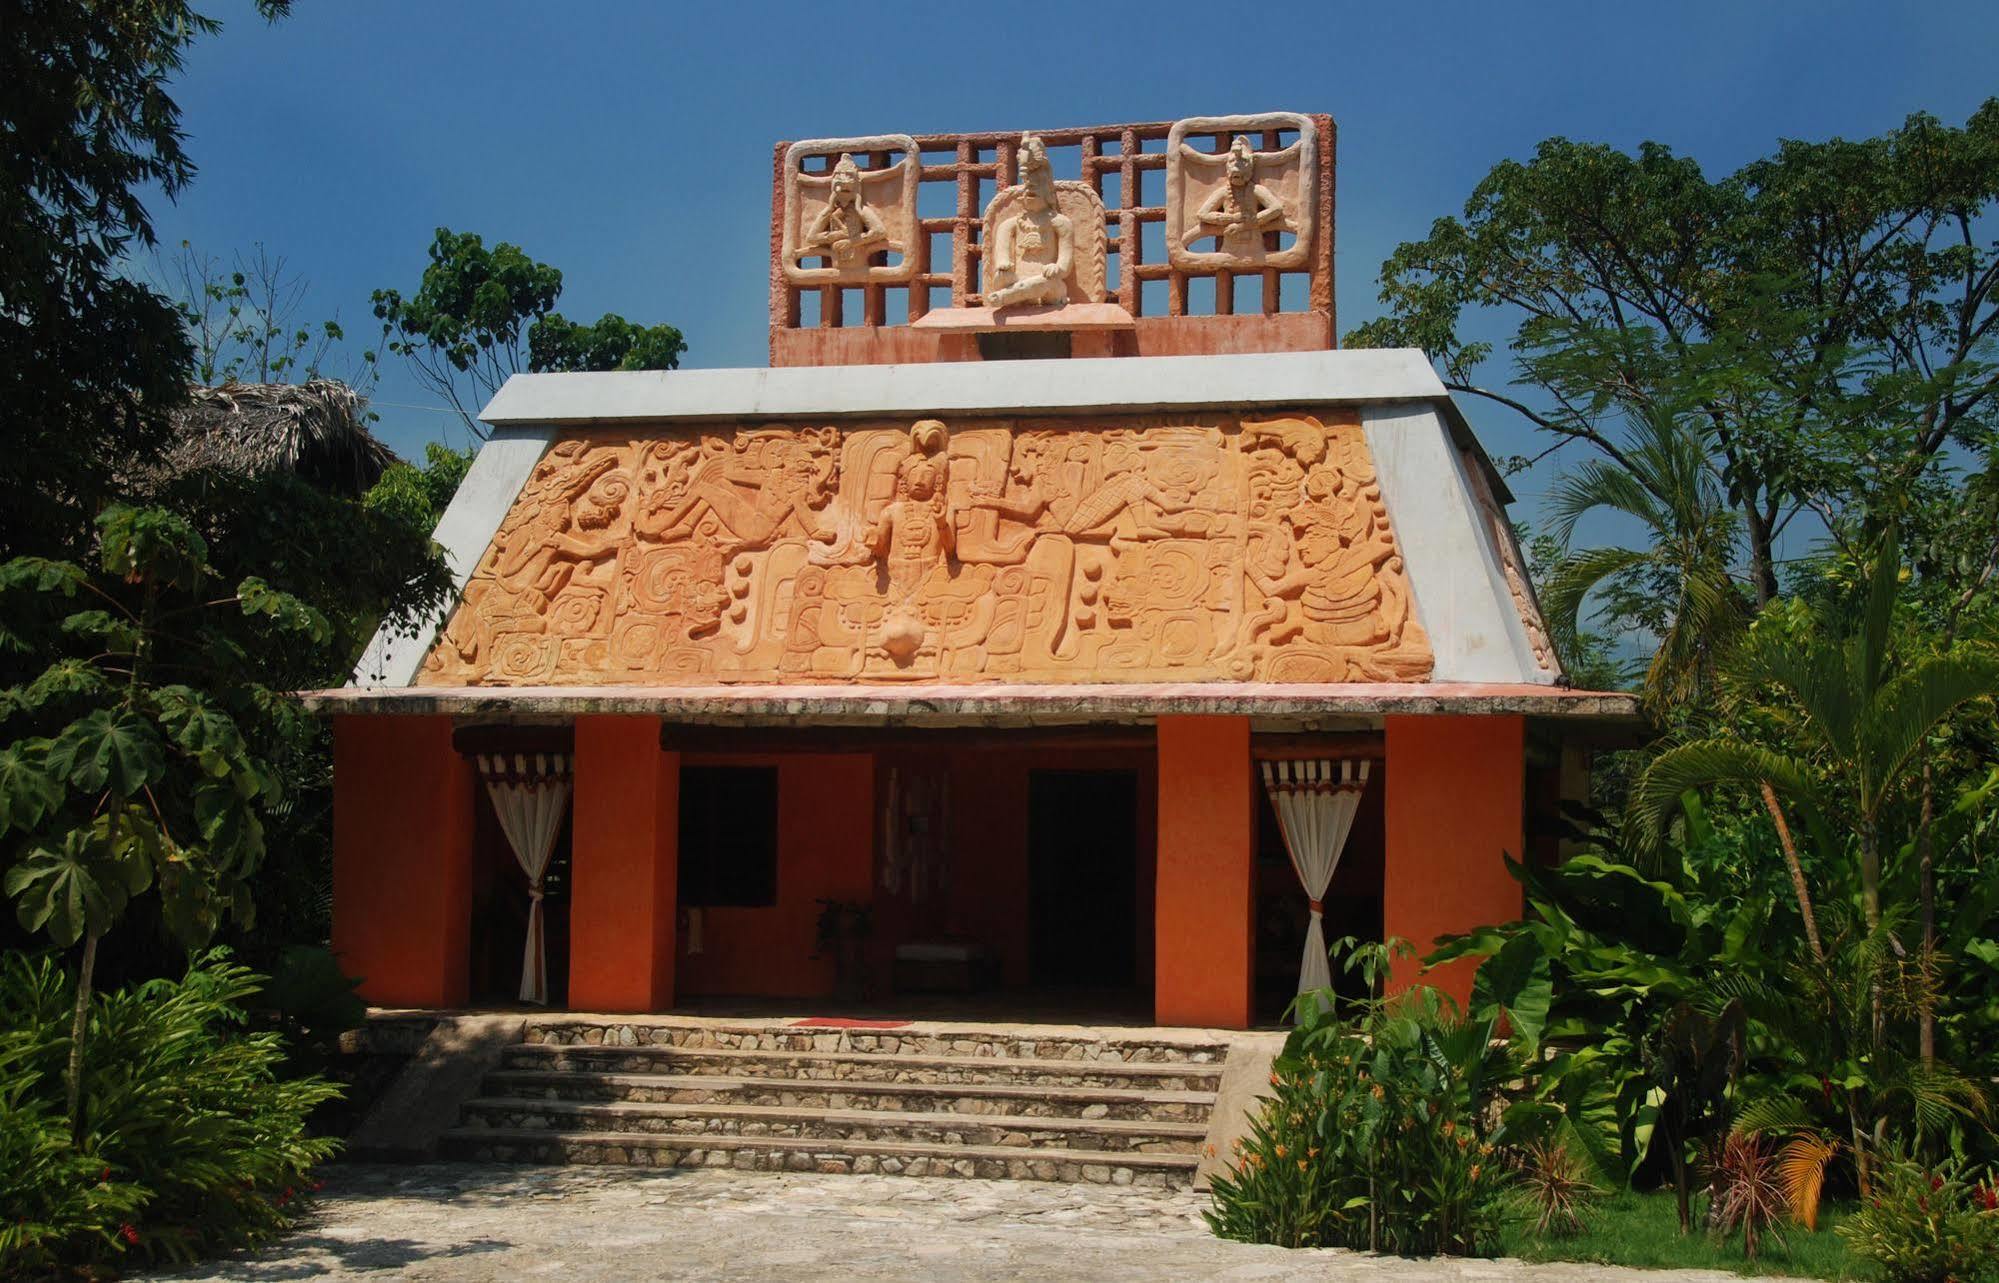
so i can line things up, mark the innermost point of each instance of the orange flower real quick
(1301, 1164)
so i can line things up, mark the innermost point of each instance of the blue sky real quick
(630, 145)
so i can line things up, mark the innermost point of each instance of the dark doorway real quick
(1082, 872)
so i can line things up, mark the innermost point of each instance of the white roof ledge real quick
(1124, 384)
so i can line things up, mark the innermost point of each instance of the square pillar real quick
(624, 867)
(402, 859)
(1204, 896)
(1455, 804)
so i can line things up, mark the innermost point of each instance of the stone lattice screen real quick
(1126, 166)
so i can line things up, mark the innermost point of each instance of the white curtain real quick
(530, 795)
(1315, 803)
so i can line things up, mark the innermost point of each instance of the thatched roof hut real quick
(314, 430)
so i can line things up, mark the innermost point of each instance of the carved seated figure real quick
(1033, 252)
(1241, 207)
(846, 231)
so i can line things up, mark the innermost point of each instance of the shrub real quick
(1927, 1223)
(190, 1143)
(1382, 1134)
(1554, 1188)
(1748, 1191)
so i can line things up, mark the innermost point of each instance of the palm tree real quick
(1664, 479)
(1856, 715)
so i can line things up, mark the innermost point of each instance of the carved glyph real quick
(1241, 208)
(1044, 241)
(851, 224)
(991, 550)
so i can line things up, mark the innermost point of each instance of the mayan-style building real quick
(1059, 612)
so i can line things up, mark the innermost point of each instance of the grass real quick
(1643, 1231)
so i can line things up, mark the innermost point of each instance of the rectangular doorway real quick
(1082, 872)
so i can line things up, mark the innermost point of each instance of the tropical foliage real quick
(482, 314)
(190, 1140)
(1382, 1132)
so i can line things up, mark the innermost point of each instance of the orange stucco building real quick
(1059, 618)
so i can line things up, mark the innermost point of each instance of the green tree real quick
(1847, 715)
(1676, 584)
(91, 364)
(1828, 310)
(415, 496)
(613, 343)
(480, 315)
(119, 776)
(244, 321)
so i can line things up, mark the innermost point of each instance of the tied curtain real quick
(1315, 803)
(530, 796)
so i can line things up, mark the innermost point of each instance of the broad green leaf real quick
(41, 574)
(29, 791)
(118, 636)
(287, 611)
(109, 747)
(1517, 980)
(151, 545)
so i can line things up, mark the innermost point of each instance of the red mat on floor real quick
(841, 1022)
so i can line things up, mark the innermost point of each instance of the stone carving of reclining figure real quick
(846, 231)
(1242, 206)
(790, 492)
(1034, 251)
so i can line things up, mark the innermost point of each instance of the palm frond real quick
(1704, 763)
(1801, 1168)
(1914, 701)
(1595, 485)
(1572, 581)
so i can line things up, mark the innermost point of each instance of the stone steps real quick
(867, 1066)
(986, 1100)
(1067, 1104)
(772, 1153)
(1096, 1134)
(974, 1043)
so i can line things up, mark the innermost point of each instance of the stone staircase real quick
(1040, 1103)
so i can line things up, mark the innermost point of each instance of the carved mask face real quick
(846, 189)
(1242, 162)
(922, 482)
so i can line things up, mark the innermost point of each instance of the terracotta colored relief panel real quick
(1030, 550)
(1241, 209)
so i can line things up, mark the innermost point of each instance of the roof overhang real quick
(1130, 385)
(1271, 705)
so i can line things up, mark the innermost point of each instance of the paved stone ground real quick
(461, 1223)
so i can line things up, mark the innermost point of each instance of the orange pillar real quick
(1204, 959)
(402, 859)
(1455, 802)
(624, 847)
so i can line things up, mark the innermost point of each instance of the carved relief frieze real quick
(990, 550)
(851, 224)
(1241, 208)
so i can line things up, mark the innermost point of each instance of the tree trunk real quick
(1863, 1171)
(78, 1025)
(1870, 873)
(1926, 1034)
(1762, 557)
(1797, 874)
